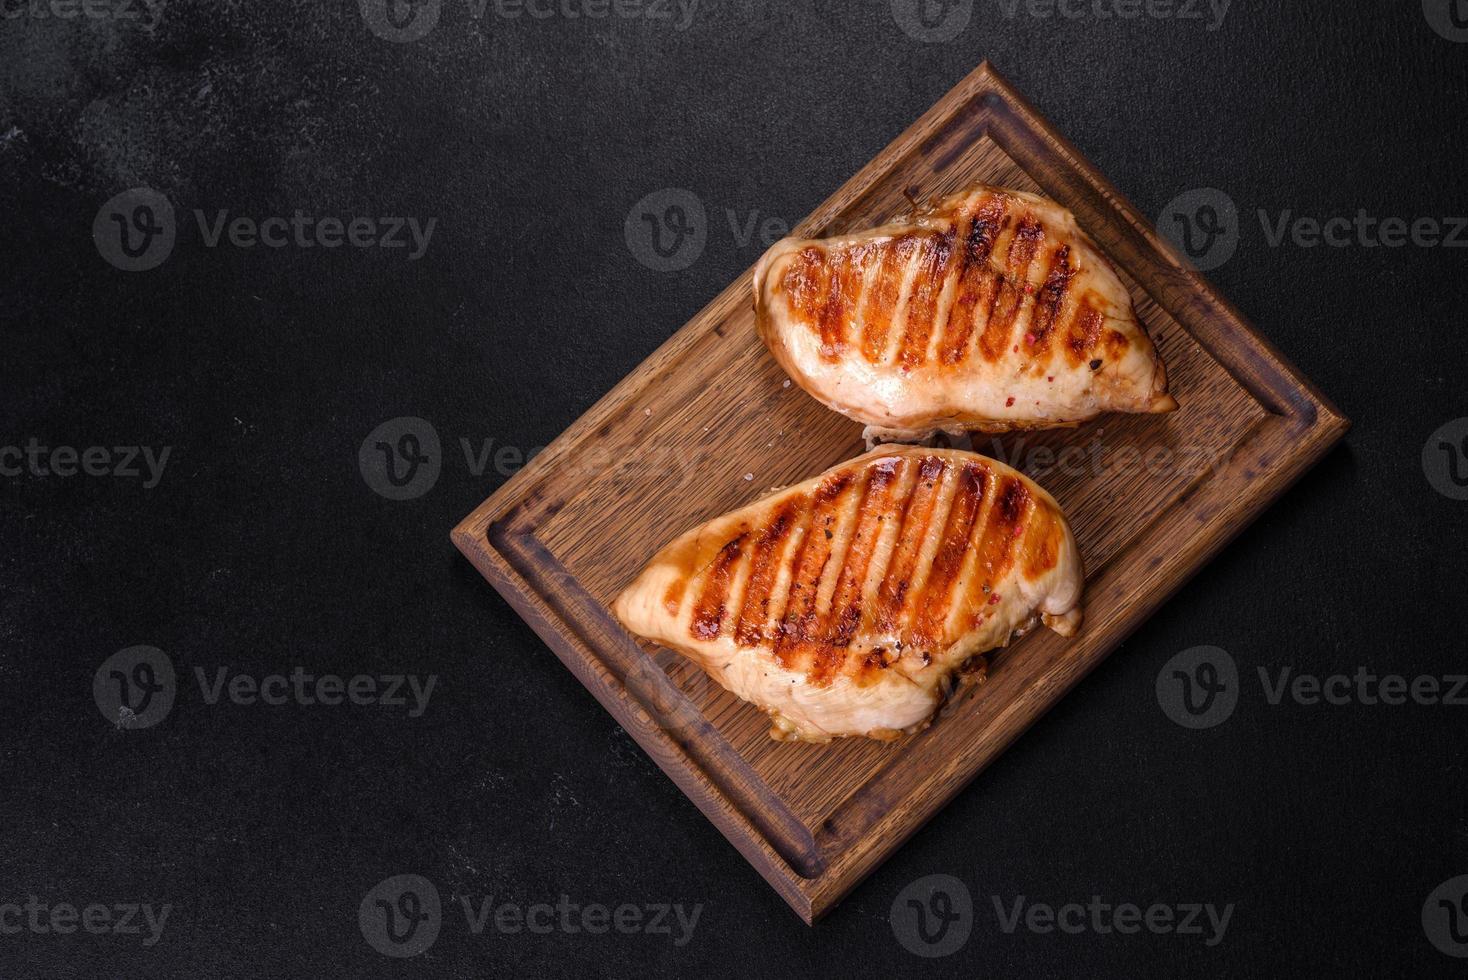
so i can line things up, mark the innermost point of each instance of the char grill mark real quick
(708, 612)
(1085, 333)
(673, 598)
(998, 540)
(922, 305)
(801, 619)
(1042, 543)
(937, 597)
(979, 531)
(754, 612)
(845, 613)
(852, 295)
(807, 282)
(1049, 300)
(976, 281)
(1012, 502)
(1010, 295)
(880, 306)
(892, 594)
(843, 293)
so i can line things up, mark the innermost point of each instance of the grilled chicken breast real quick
(991, 310)
(845, 605)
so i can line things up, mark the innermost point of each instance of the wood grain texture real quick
(1151, 499)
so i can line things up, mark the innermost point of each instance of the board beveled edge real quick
(471, 537)
(1308, 425)
(620, 654)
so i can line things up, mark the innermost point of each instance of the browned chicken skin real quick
(845, 604)
(990, 310)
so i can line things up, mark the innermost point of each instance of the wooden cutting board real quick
(707, 424)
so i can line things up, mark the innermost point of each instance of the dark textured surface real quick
(262, 548)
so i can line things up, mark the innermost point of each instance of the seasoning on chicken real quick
(853, 603)
(989, 311)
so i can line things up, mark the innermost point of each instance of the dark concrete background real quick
(262, 548)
